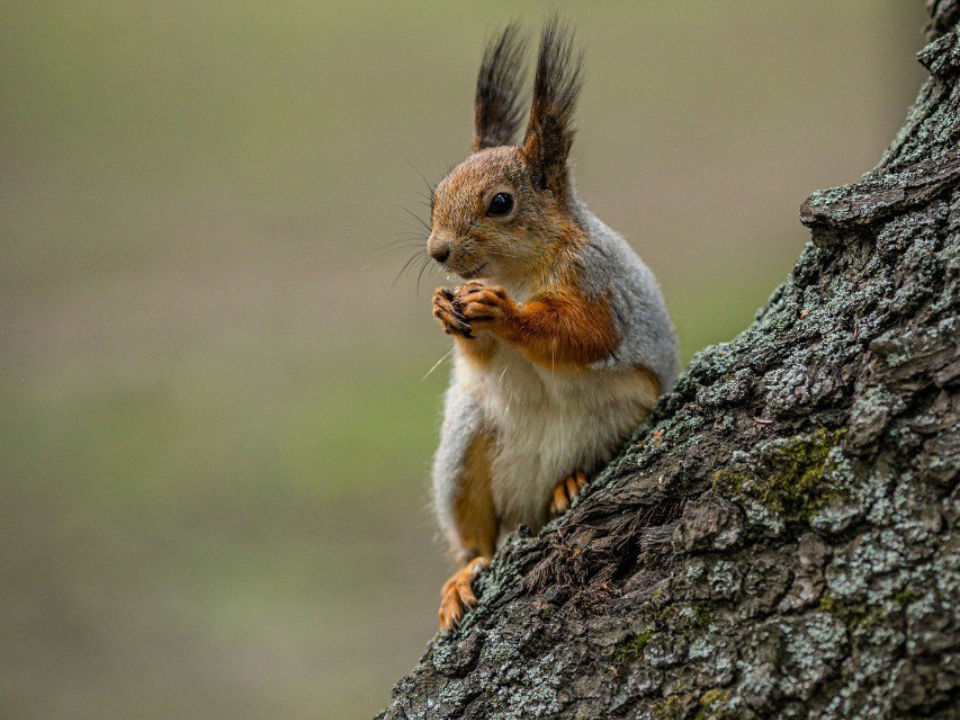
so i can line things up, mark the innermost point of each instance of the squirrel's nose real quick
(441, 253)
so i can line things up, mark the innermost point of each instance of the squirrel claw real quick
(565, 492)
(457, 595)
(451, 320)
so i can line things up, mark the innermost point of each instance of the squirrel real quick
(563, 343)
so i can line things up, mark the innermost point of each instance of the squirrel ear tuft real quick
(497, 112)
(556, 88)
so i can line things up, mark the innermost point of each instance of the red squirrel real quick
(562, 339)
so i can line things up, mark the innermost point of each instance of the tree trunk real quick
(778, 540)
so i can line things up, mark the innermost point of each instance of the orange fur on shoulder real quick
(561, 327)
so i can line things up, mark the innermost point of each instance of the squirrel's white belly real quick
(550, 424)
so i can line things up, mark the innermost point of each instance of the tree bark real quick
(778, 540)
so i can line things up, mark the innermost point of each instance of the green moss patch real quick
(632, 649)
(801, 483)
(712, 704)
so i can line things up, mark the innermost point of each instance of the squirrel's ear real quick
(555, 91)
(497, 113)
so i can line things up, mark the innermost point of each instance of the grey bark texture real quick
(778, 540)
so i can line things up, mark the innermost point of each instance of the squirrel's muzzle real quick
(439, 248)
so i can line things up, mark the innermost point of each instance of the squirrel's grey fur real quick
(611, 265)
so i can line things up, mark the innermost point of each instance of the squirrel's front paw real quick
(479, 304)
(451, 320)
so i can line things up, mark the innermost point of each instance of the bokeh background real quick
(215, 430)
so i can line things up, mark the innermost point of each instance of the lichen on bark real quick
(778, 540)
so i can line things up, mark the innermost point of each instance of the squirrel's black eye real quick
(501, 204)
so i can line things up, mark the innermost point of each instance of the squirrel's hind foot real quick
(457, 595)
(565, 492)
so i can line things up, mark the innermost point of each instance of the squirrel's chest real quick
(549, 424)
(515, 391)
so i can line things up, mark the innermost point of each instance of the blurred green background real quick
(215, 432)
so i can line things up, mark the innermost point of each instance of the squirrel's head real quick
(506, 209)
